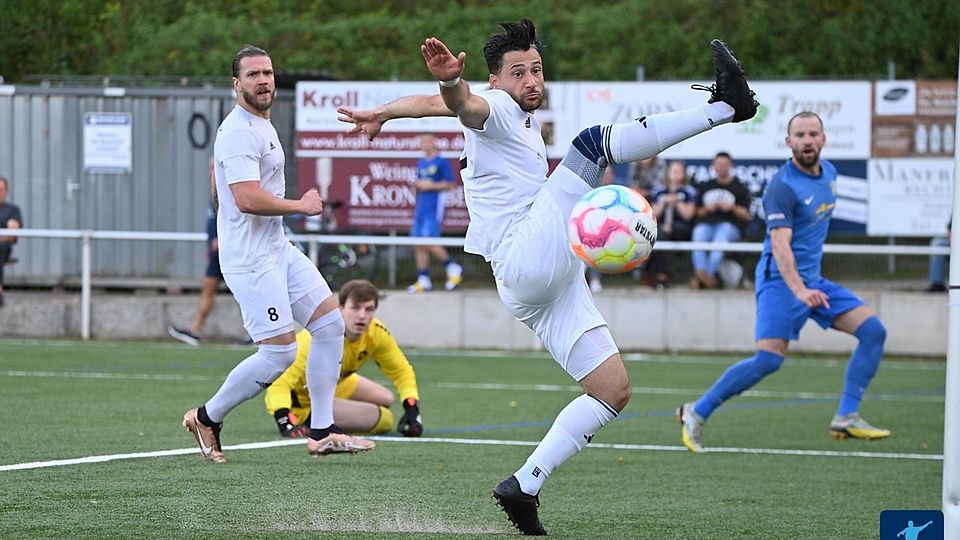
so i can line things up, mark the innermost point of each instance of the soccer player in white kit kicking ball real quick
(274, 283)
(518, 219)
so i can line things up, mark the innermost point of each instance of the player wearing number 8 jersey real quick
(274, 283)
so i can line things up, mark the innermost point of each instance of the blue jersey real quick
(430, 203)
(804, 203)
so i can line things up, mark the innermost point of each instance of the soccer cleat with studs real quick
(691, 428)
(208, 438)
(338, 443)
(521, 509)
(853, 425)
(731, 86)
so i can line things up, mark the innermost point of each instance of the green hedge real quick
(377, 40)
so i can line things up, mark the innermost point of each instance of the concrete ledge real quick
(639, 318)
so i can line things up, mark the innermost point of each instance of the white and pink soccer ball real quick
(613, 229)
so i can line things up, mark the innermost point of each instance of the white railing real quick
(313, 242)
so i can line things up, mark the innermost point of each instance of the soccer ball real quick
(612, 229)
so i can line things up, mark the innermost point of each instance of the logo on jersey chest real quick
(824, 210)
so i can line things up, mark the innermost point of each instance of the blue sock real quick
(737, 378)
(447, 262)
(863, 364)
(425, 272)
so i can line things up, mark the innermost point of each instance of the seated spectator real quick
(646, 175)
(9, 219)
(674, 204)
(723, 210)
(938, 264)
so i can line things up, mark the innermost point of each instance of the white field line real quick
(669, 358)
(662, 358)
(485, 442)
(649, 390)
(113, 376)
(682, 391)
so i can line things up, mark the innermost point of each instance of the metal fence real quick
(313, 245)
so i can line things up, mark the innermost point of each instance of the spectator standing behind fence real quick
(434, 177)
(10, 218)
(938, 263)
(211, 281)
(723, 209)
(647, 174)
(675, 206)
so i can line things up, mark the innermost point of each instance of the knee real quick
(872, 331)
(618, 394)
(327, 327)
(623, 396)
(767, 362)
(385, 398)
(589, 143)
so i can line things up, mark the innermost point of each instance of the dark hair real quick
(723, 154)
(805, 114)
(360, 290)
(246, 52)
(521, 36)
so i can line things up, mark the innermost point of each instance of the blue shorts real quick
(213, 264)
(781, 315)
(425, 227)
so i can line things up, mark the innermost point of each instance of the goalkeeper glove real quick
(287, 422)
(411, 425)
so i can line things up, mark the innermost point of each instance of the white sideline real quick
(486, 442)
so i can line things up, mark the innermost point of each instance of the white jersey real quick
(506, 167)
(247, 148)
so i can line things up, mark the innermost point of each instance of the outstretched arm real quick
(371, 121)
(472, 110)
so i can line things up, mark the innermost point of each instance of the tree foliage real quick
(379, 39)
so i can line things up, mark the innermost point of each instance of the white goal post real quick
(951, 416)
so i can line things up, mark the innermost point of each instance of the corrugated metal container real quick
(41, 153)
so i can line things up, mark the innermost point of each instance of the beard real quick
(530, 105)
(251, 100)
(807, 161)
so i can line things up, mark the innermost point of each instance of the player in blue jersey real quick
(434, 178)
(798, 203)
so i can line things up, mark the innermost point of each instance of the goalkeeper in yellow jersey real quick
(359, 405)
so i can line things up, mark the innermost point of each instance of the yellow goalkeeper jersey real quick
(290, 389)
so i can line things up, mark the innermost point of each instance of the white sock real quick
(323, 366)
(576, 424)
(633, 141)
(249, 377)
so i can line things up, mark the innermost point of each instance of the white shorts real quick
(542, 283)
(271, 300)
